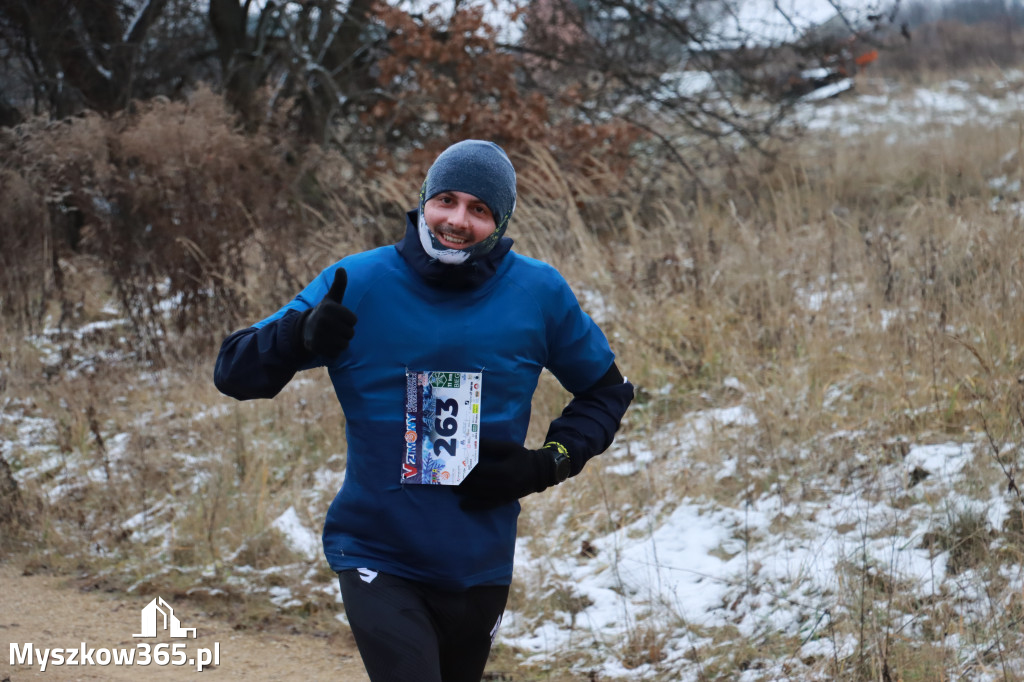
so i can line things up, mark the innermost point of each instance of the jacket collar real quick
(442, 275)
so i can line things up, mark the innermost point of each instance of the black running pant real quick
(411, 632)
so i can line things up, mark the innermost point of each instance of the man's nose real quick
(460, 216)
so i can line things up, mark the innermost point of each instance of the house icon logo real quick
(151, 618)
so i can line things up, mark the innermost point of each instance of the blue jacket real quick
(509, 319)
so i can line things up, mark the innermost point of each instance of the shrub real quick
(447, 79)
(169, 197)
(26, 253)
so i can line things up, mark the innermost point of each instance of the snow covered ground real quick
(703, 566)
(918, 110)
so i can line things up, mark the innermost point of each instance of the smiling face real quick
(458, 220)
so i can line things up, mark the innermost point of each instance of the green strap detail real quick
(558, 446)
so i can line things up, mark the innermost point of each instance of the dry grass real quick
(858, 287)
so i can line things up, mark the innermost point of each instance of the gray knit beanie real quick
(476, 167)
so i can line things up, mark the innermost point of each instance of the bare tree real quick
(314, 52)
(694, 74)
(711, 68)
(68, 55)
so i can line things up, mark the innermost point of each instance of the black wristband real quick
(561, 461)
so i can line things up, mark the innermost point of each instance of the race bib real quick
(442, 427)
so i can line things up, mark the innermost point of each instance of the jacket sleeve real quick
(259, 361)
(588, 423)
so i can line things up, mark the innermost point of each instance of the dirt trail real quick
(50, 612)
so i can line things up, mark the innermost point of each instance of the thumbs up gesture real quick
(327, 328)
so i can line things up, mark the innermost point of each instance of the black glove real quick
(327, 328)
(507, 471)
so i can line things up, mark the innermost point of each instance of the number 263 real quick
(446, 428)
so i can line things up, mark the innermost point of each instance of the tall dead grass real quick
(869, 288)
